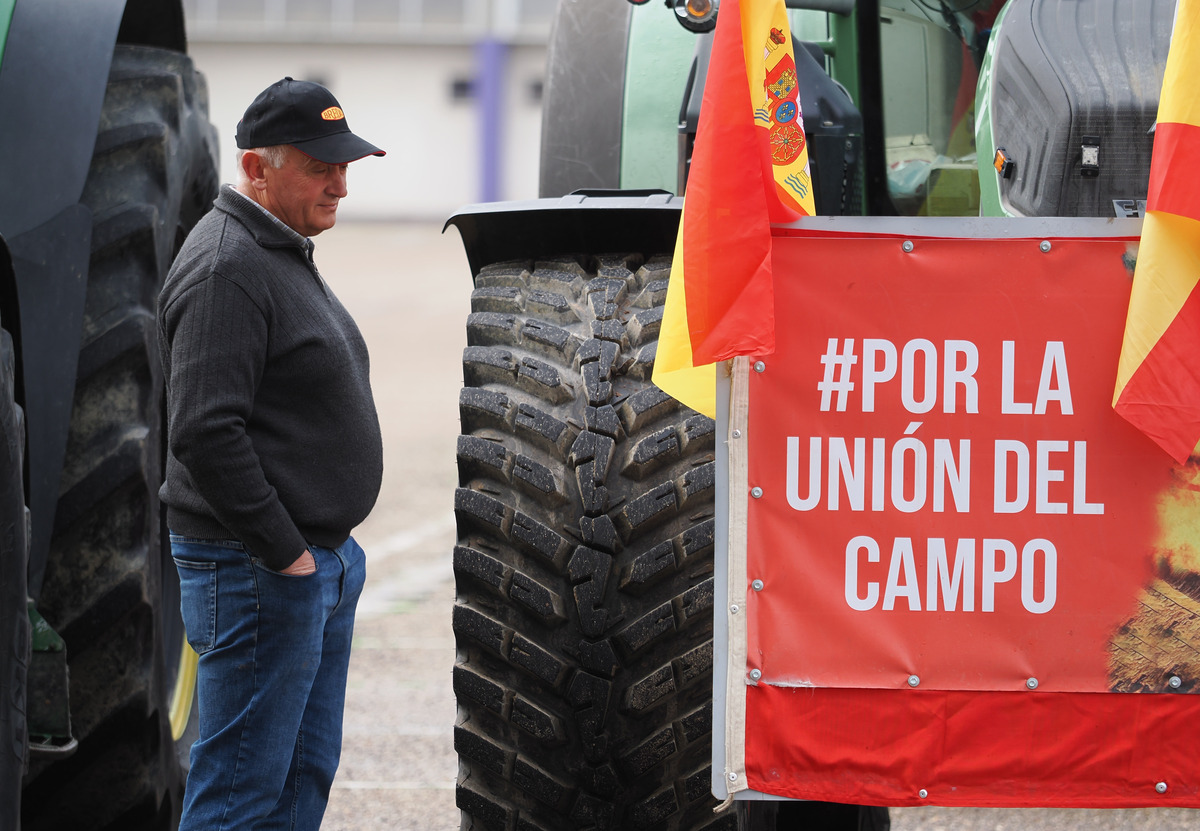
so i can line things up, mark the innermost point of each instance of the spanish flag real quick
(749, 169)
(1158, 378)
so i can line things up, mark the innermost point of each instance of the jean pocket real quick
(198, 602)
(259, 564)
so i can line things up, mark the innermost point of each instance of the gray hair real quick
(274, 156)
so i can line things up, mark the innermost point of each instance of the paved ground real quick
(409, 286)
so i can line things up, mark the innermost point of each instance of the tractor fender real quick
(52, 81)
(633, 221)
(53, 78)
(582, 105)
(52, 85)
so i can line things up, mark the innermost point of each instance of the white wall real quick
(399, 98)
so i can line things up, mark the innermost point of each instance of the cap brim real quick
(339, 148)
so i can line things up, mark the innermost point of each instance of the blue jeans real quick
(274, 651)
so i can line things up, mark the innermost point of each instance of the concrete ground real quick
(409, 287)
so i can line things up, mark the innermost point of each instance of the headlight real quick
(696, 15)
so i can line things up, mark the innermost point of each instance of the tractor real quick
(107, 160)
(585, 508)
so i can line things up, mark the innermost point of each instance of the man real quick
(274, 457)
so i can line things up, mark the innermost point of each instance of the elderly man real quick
(274, 457)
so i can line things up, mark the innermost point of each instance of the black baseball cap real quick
(306, 116)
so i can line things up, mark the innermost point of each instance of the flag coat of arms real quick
(749, 168)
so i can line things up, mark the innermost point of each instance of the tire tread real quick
(583, 564)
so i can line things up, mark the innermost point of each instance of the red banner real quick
(956, 550)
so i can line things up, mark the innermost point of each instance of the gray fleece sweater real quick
(273, 439)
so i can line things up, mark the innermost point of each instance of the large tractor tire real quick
(14, 620)
(584, 564)
(110, 588)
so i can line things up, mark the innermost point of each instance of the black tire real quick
(806, 816)
(110, 589)
(14, 620)
(584, 566)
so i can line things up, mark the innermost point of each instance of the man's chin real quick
(325, 224)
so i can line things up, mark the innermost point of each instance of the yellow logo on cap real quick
(333, 114)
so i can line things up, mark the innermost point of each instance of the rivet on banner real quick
(759, 366)
(1161, 787)
(732, 776)
(755, 674)
(1176, 682)
(737, 434)
(757, 585)
(756, 492)
(922, 793)
(914, 680)
(1032, 683)
(734, 609)
(1045, 246)
(907, 247)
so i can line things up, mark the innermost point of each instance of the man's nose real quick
(337, 183)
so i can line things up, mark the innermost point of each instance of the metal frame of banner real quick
(969, 227)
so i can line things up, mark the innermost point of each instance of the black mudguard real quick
(52, 85)
(581, 222)
(14, 622)
(581, 115)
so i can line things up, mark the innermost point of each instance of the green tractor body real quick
(106, 159)
(584, 563)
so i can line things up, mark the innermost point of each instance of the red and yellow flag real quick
(1158, 378)
(749, 169)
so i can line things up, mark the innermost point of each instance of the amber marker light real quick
(696, 15)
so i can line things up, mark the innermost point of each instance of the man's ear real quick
(255, 169)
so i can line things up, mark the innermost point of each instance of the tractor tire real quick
(584, 568)
(110, 589)
(14, 619)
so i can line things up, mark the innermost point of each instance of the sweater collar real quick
(267, 229)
